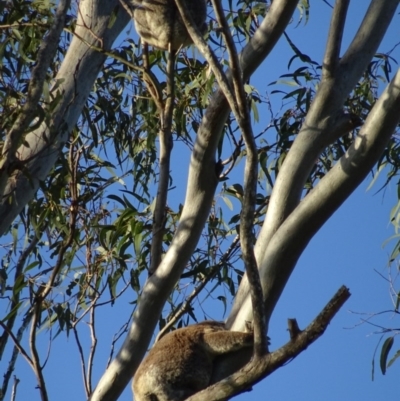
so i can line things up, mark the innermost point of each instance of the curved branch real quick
(45, 55)
(324, 123)
(75, 81)
(250, 187)
(335, 187)
(202, 183)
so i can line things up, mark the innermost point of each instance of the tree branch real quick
(366, 41)
(17, 343)
(166, 143)
(324, 123)
(45, 55)
(74, 81)
(37, 368)
(250, 185)
(335, 34)
(259, 368)
(335, 187)
(202, 182)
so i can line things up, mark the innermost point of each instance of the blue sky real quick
(348, 250)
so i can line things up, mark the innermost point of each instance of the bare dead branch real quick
(259, 368)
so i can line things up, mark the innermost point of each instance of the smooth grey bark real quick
(292, 237)
(325, 121)
(76, 77)
(202, 183)
(28, 113)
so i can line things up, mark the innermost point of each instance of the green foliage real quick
(102, 190)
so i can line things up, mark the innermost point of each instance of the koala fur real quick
(181, 363)
(159, 23)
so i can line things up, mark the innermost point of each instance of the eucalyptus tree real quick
(92, 134)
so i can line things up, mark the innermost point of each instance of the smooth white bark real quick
(76, 77)
(324, 123)
(292, 237)
(201, 187)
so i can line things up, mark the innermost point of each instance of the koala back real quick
(181, 363)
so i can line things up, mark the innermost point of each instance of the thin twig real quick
(45, 289)
(17, 344)
(14, 388)
(123, 330)
(37, 368)
(209, 55)
(15, 298)
(18, 349)
(92, 326)
(148, 76)
(82, 358)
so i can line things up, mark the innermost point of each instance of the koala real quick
(159, 23)
(181, 363)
